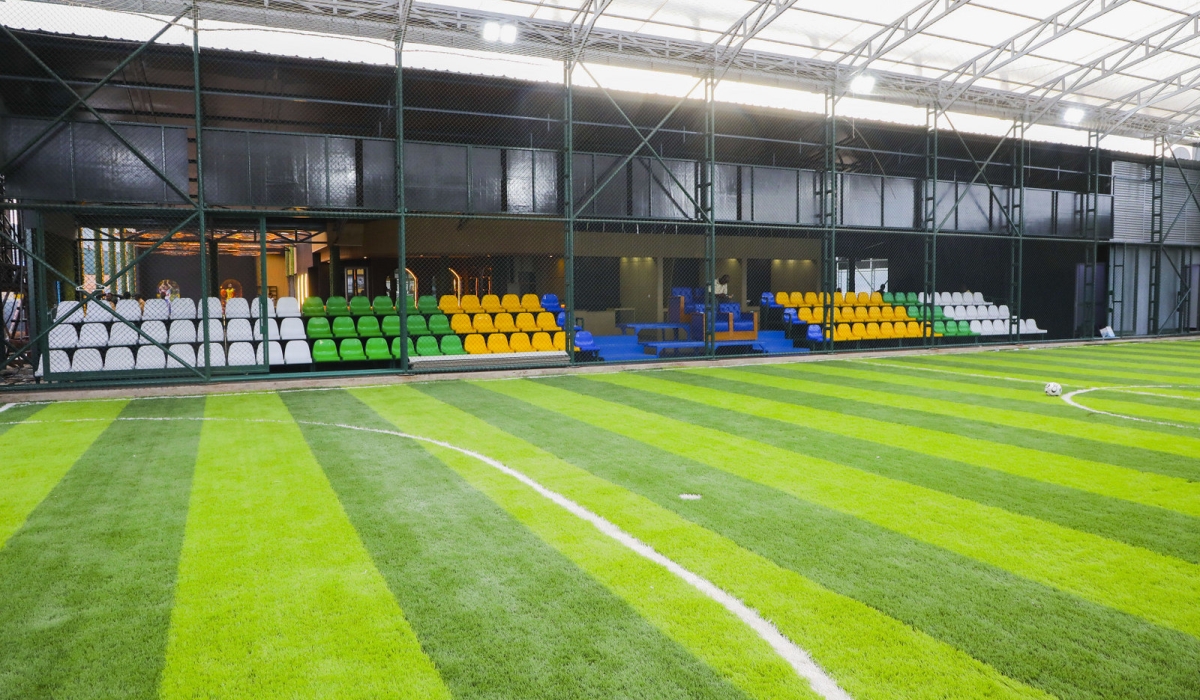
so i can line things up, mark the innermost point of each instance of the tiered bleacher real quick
(879, 316)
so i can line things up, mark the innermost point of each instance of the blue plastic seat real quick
(550, 303)
(584, 340)
(815, 333)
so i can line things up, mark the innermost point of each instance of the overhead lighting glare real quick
(491, 31)
(1073, 115)
(508, 33)
(863, 84)
(503, 33)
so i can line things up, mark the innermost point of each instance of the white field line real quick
(1164, 396)
(1069, 397)
(6, 406)
(799, 659)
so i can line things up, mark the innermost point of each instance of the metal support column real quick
(263, 299)
(829, 216)
(401, 210)
(569, 206)
(707, 201)
(1016, 222)
(931, 223)
(205, 259)
(1157, 173)
(1091, 232)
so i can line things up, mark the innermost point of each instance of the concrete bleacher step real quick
(499, 359)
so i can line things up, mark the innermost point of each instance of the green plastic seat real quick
(914, 312)
(336, 306)
(377, 349)
(360, 306)
(396, 348)
(427, 345)
(964, 328)
(440, 325)
(351, 350)
(411, 303)
(452, 345)
(940, 327)
(937, 313)
(368, 327)
(383, 306)
(911, 298)
(391, 326)
(416, 325)
(887, 298)
(343, 327)
(325, 350)
(313, 306)
(428, 304)
(318, 327)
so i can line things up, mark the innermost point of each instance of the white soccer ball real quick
(1053, 389)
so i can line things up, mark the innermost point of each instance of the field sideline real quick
(901, 527)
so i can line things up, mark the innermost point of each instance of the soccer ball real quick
(1053, 389)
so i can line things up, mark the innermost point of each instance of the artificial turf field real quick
(920, 526)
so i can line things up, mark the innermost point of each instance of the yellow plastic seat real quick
(810, 299)
(542, 342)
(887, 313)
(842, 332)
(531, 303)
(512, 304)
(498, 342)
(461, 324)
(491, 304)
(872, 330)
(886, 331)
(782, 299)
(560, 341)
(914, 329)
(504, 323)
(839, 299)
(901, 313)
(873, 313)
(526, 323)
(818, 314)
(474, 344)
(796, 299)
(864, 299)
(876, 299)
(483, 323)
(805, 314)
(470, 304)
(860, 314)
(519, 342)
(858, 330)
(449, 305)
(823, 298)
(546, 322)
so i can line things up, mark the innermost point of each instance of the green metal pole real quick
(569, 206)
(205, 291)
(263, 299)
(401, 210)
(710, 248)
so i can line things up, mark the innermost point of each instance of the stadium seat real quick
(948, 312)
(335, 306)
(368, 327)
(546, 322)
(130, 310)
(491, 304)
(59, 362)
(990, 311)
(343, 327)
(287, 307)
(416, 326)
(291, 328)
(351, 350)
(1003, 311)
(439, 324)
(390, 326)
(470, 304)
(427, 346)
(98, 312)
(939, 328)
(383, 305)
(94, 335)
(236, 307)
(313, 306)
(511, 303)
(871, 331)
(427, 304)
(69, 312)
(410, 305)
(123, 334)
(376, 350)
(155, 331)
(180, 332)
(526, 322)
(972, 313)
(269, 326)
(498, 342)
(482, 323)
(449, 305)
(452, 345)
(530, 303)
(978, 297)
(873, 314)
(318, 327)
(148, 357)
(241, 354)
(976, 327)
(519, 342)
(858, 330)
(216, 355)
(183, 308)
(186, 354)
(783, 299)
(461, 324)
(87, 360)
(324, 350)
(156, 310)
(360, 306)
(504, 323)
(550, 303)
(560, 340)
(257, 304)
(584, 341)
(541, 342)
(474, 344)
(296, 353)
(796, 299)
(118, 360)
(398, 348)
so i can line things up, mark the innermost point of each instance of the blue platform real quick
(626, 348)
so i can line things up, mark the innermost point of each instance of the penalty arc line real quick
(1069, 397)
(800, 661)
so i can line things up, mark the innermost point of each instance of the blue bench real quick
(663, 327)
(676, 346)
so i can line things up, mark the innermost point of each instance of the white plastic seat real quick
(156, 330)
(93, 335)
(98, 312)
(150, 357)
(272, 328)
(129, 309)
(183, 308)
(275, 353)
(1003, 311)
(978, 298)
(296, 352)
(87, 360)
(960, 312)
(291, 329)
(185, 352)
(921, 297)
(238, 330)
(122, 334)
(256, 304)
(976, 327)
(215, 309)
(1022, 326)
(240, 354)
(156, 310)
(972, 313)
(63, 337)
(216, 356)
(182, 332)
(59, 362)
(1033, 326)
(237, 308)
(69, 312)
(118, 359)
(956, 298)
(992, 311)
(216, 331)
(287, 307)
(948, 311)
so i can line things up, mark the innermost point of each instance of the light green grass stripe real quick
(276, 596)
(1082, 428)
(1172, 361)
(1146, 488)
(1009, 361)
(1098, 569)
(1177, 371)
(36, 454)
(15, 415)
(1102, 401)
(935, 364)
(871, 655)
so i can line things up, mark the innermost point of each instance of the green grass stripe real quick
(1113, 402)
(978, 370)
(500, 612)
(16, 414)
(1164, 398)
(35, 455)
(871, 655)
(1010, 361)
(981, 448)
(1026, 630)
(1100, 570)
(793, 377)
(1176, 372)
(1166, 349)
(1160, 530)
(87, 583)
(1172, 361)
(276, 595)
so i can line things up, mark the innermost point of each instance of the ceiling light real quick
(1073, 115)
(508, 33)
(863, 84)
(491, 31)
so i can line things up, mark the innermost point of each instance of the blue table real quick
(662, 327)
